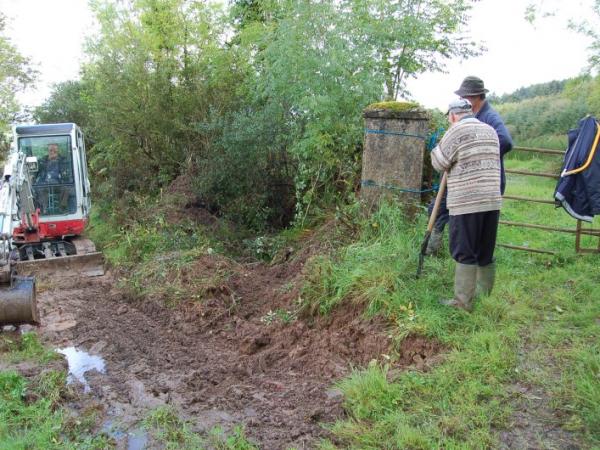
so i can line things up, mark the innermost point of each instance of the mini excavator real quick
(44, 208)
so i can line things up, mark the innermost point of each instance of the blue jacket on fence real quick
(489, 115)
(578, 189)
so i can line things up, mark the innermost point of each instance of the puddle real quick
(135, 439)
(81, 362)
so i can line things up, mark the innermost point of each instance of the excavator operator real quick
(52, 167)
(53, 171)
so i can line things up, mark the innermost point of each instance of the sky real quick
(518, 54)
(51, 33)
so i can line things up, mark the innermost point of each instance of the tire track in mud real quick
(218, 369)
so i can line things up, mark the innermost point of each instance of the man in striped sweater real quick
(470, 153)
(473, 89)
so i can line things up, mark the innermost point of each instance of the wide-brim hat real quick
(471, 86)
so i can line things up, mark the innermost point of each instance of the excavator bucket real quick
(18, 303)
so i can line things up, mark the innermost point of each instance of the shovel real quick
(431, 223)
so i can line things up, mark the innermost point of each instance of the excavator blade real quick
(81, 265)
(18, 303)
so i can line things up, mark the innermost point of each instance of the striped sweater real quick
(470, 152)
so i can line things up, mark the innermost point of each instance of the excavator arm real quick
(17, 293)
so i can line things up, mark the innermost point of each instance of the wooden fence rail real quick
(578, 231)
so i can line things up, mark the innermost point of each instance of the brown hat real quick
(471, 86)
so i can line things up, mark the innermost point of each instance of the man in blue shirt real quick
(473, 89)
(53, 167)
(54, 174)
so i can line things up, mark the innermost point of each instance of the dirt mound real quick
(237, 351)
(183, 186)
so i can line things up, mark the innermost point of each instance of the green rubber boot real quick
(486, 276)
(465, 281)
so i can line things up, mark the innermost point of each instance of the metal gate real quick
(578, 231)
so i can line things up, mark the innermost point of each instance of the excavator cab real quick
(53, 183)
(44, 208)
(60, 187)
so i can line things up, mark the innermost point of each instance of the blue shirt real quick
(489, 115)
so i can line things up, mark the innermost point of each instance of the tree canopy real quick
(259, 100)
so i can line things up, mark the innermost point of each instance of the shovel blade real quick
(84, 265)
(423, 253)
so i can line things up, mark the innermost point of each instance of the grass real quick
(153, 256)
(556, 142)
(171, 432)
(25, 347)
(538, 328)
(143, 240)
(32, 411)
(171, 277)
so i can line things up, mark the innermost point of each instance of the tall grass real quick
(556, 142)
(540, 326)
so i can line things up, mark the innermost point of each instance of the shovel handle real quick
(438, 200)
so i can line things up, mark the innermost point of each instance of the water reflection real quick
(81, 362)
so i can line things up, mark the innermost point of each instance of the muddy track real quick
(216, 365)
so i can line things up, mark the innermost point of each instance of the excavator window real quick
(53, 184)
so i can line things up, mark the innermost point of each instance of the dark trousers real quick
(473, 237)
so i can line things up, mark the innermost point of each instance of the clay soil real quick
(227, 358)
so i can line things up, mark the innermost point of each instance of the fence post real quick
(394, 145)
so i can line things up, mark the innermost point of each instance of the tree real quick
(548, 112)
(65, 104)
(16, 74)
(157, 71)
(409, 37)
(247, 12)
(263, 105)
(535, 90)
(320, 63)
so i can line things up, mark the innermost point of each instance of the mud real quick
(536, 423)
(244, 353)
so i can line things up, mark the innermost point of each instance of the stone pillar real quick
(394, 146)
